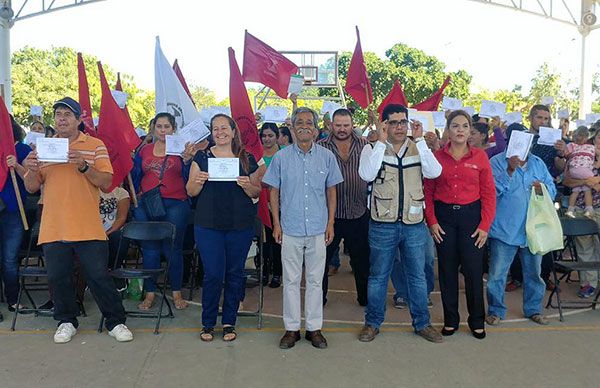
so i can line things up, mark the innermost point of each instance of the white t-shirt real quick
(109, 202)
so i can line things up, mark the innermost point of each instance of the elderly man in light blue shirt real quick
(302, 178)
(514, 179)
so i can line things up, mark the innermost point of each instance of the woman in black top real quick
(223, 225)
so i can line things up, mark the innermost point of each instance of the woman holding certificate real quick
(224, 222)
(460, 206)
(154, 169)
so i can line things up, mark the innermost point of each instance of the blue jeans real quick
(398, 272)
(385, 239)
(11, 234)
(223, 254)
(177, 214)
(502, 255)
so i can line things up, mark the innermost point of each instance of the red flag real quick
(84, 97)
(242, 113)
(431, 104)
(265, 65)
(395, 96)
(7, 142)
(118, 85)
(357, 81)
(181, 78)
(111, 128)
(131, 137)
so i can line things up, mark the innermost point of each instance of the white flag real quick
(170, 94)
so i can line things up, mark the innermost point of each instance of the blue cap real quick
(69, 103)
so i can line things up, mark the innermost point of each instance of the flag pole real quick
(13, 176)
(132, 188)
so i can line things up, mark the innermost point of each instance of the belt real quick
(458, 207)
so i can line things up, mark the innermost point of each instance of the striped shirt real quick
(352, 192)
(71, 201)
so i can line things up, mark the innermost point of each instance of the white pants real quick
(311, 252)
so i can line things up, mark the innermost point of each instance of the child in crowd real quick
(580, 162)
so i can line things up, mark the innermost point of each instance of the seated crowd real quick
(398, 197)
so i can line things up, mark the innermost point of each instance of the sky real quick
(499, 47)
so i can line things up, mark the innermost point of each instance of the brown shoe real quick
(367, 334)
(430, 334)
(289, 339)
(316, 339)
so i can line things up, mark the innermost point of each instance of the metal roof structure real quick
(581, 14)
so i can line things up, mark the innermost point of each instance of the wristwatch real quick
(86, 167)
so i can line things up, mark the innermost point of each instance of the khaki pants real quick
(294, 252)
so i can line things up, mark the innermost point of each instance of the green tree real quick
(40, 77)
(420, 75)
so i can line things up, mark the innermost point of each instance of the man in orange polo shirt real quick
(70, 224)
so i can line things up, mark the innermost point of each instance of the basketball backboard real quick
(319, 68)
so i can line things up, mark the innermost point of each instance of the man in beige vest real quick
(395, 167)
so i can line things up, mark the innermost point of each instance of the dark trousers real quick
(93, 256)
(11, 235)
(223, 254)
(458, 250)
(356, 238)
(516, 270)
(272, 255)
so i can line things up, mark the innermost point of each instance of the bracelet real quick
(86, 167)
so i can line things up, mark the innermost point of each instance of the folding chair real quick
(147, 231)
(28, 271)
(192, 253)
(572, 228)
(259, 238)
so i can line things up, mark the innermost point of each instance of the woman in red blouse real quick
(460, 208)
(150, 160)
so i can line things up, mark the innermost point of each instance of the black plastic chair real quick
(28, 271)
(573, 228)
(147, 231)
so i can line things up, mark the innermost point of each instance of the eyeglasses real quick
(394, 123)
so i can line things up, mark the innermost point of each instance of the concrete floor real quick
(516, 353)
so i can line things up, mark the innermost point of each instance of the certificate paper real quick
(513, 117)
(449, 103)
(562, 114)
(296, 84)
(274, 114)
(519, 144)
(175, 144)
(492, 109)
(549, 136)
(426, 118)
(31, 138)
(194, 132)
(223, 169)
(52, 150)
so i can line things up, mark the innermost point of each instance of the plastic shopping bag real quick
(543, 228)
(135, 289)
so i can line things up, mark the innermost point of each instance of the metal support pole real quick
(585, 81)
(5, 78)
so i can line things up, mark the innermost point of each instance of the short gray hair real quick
(304, 109)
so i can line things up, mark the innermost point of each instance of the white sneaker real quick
(588, 214)
(121, 333)
(570, 213)
(64, 333)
